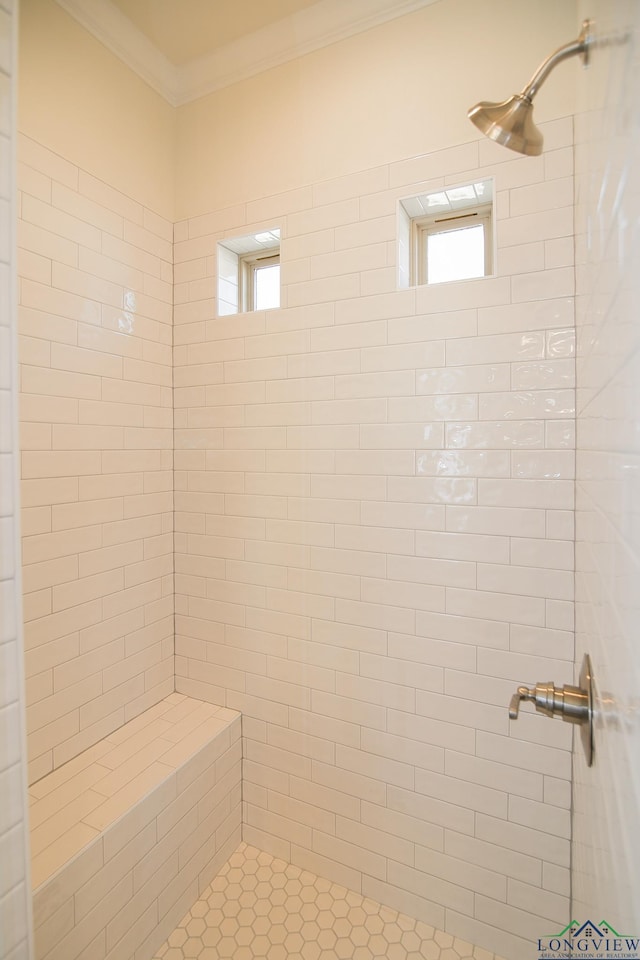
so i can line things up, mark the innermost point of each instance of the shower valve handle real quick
(571, 703)
(522, 693)
(574, 704)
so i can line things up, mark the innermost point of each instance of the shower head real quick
(511, 122)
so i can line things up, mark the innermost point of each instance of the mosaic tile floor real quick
(262, 907)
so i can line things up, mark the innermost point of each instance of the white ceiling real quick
(186, 49)
(185, 30)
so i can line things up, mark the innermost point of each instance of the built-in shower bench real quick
(125, 837)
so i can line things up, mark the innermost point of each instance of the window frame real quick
(424, 227)
(239, 259)
(248, 266)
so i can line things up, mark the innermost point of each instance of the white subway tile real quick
(34, 182)
(404, 594)
(355, 259)
(534, 404)
(545, 374)
(558, 282)
(555, 494)
(440, 163)
(542, 642)
(458, 463)
(549, 195)
(545, 465)
(432, 571)
(50, 164)
(462, 406)
(540, 816)
(500, 348)
(523, 839)
(531, 756)
(461, 874)
(388, 306)
(495, 775)
(454, 546)
(364, 385)
(321, 218)
(462, 295)
(33, 239)
(560, 615)
(403, 357)
(523, 258)
(109, 198)
(560, 434)
(446, 490)
(544, 225)
(496, 520)
(78, 205)
(476, 715)
(537, 901)
(527, 580)
(434, 811)
(430, 326)
(460, 379)
(403, 515)
(353, 784)
(375, 615)
(497, 606)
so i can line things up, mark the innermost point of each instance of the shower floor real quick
(259, 906)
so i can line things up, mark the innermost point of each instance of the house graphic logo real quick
(588, 941)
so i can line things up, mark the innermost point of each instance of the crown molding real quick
(109, 25)
(312, 28)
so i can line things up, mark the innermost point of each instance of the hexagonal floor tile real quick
(261, 908)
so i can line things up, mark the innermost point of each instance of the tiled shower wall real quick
(96, 412)
(606, 861)
(15, 901)
(373, 494)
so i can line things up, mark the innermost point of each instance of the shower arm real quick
(579, 46)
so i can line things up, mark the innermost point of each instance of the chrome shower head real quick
(511, 122)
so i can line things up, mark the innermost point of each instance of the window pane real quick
(455, 254)
(267, 289)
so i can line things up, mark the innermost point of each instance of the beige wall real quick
(399, 90)
(84, 104)
(311, 119)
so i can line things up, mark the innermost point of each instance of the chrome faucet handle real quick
(574, 704)
(522, 693)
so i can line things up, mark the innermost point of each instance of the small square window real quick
(446, 236)
(249, 273)
(260, 281)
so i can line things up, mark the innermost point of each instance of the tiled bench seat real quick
(127, 835)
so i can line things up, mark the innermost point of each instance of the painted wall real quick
(399, 90)
(15, 894)
(83, 103)
(606, 860)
